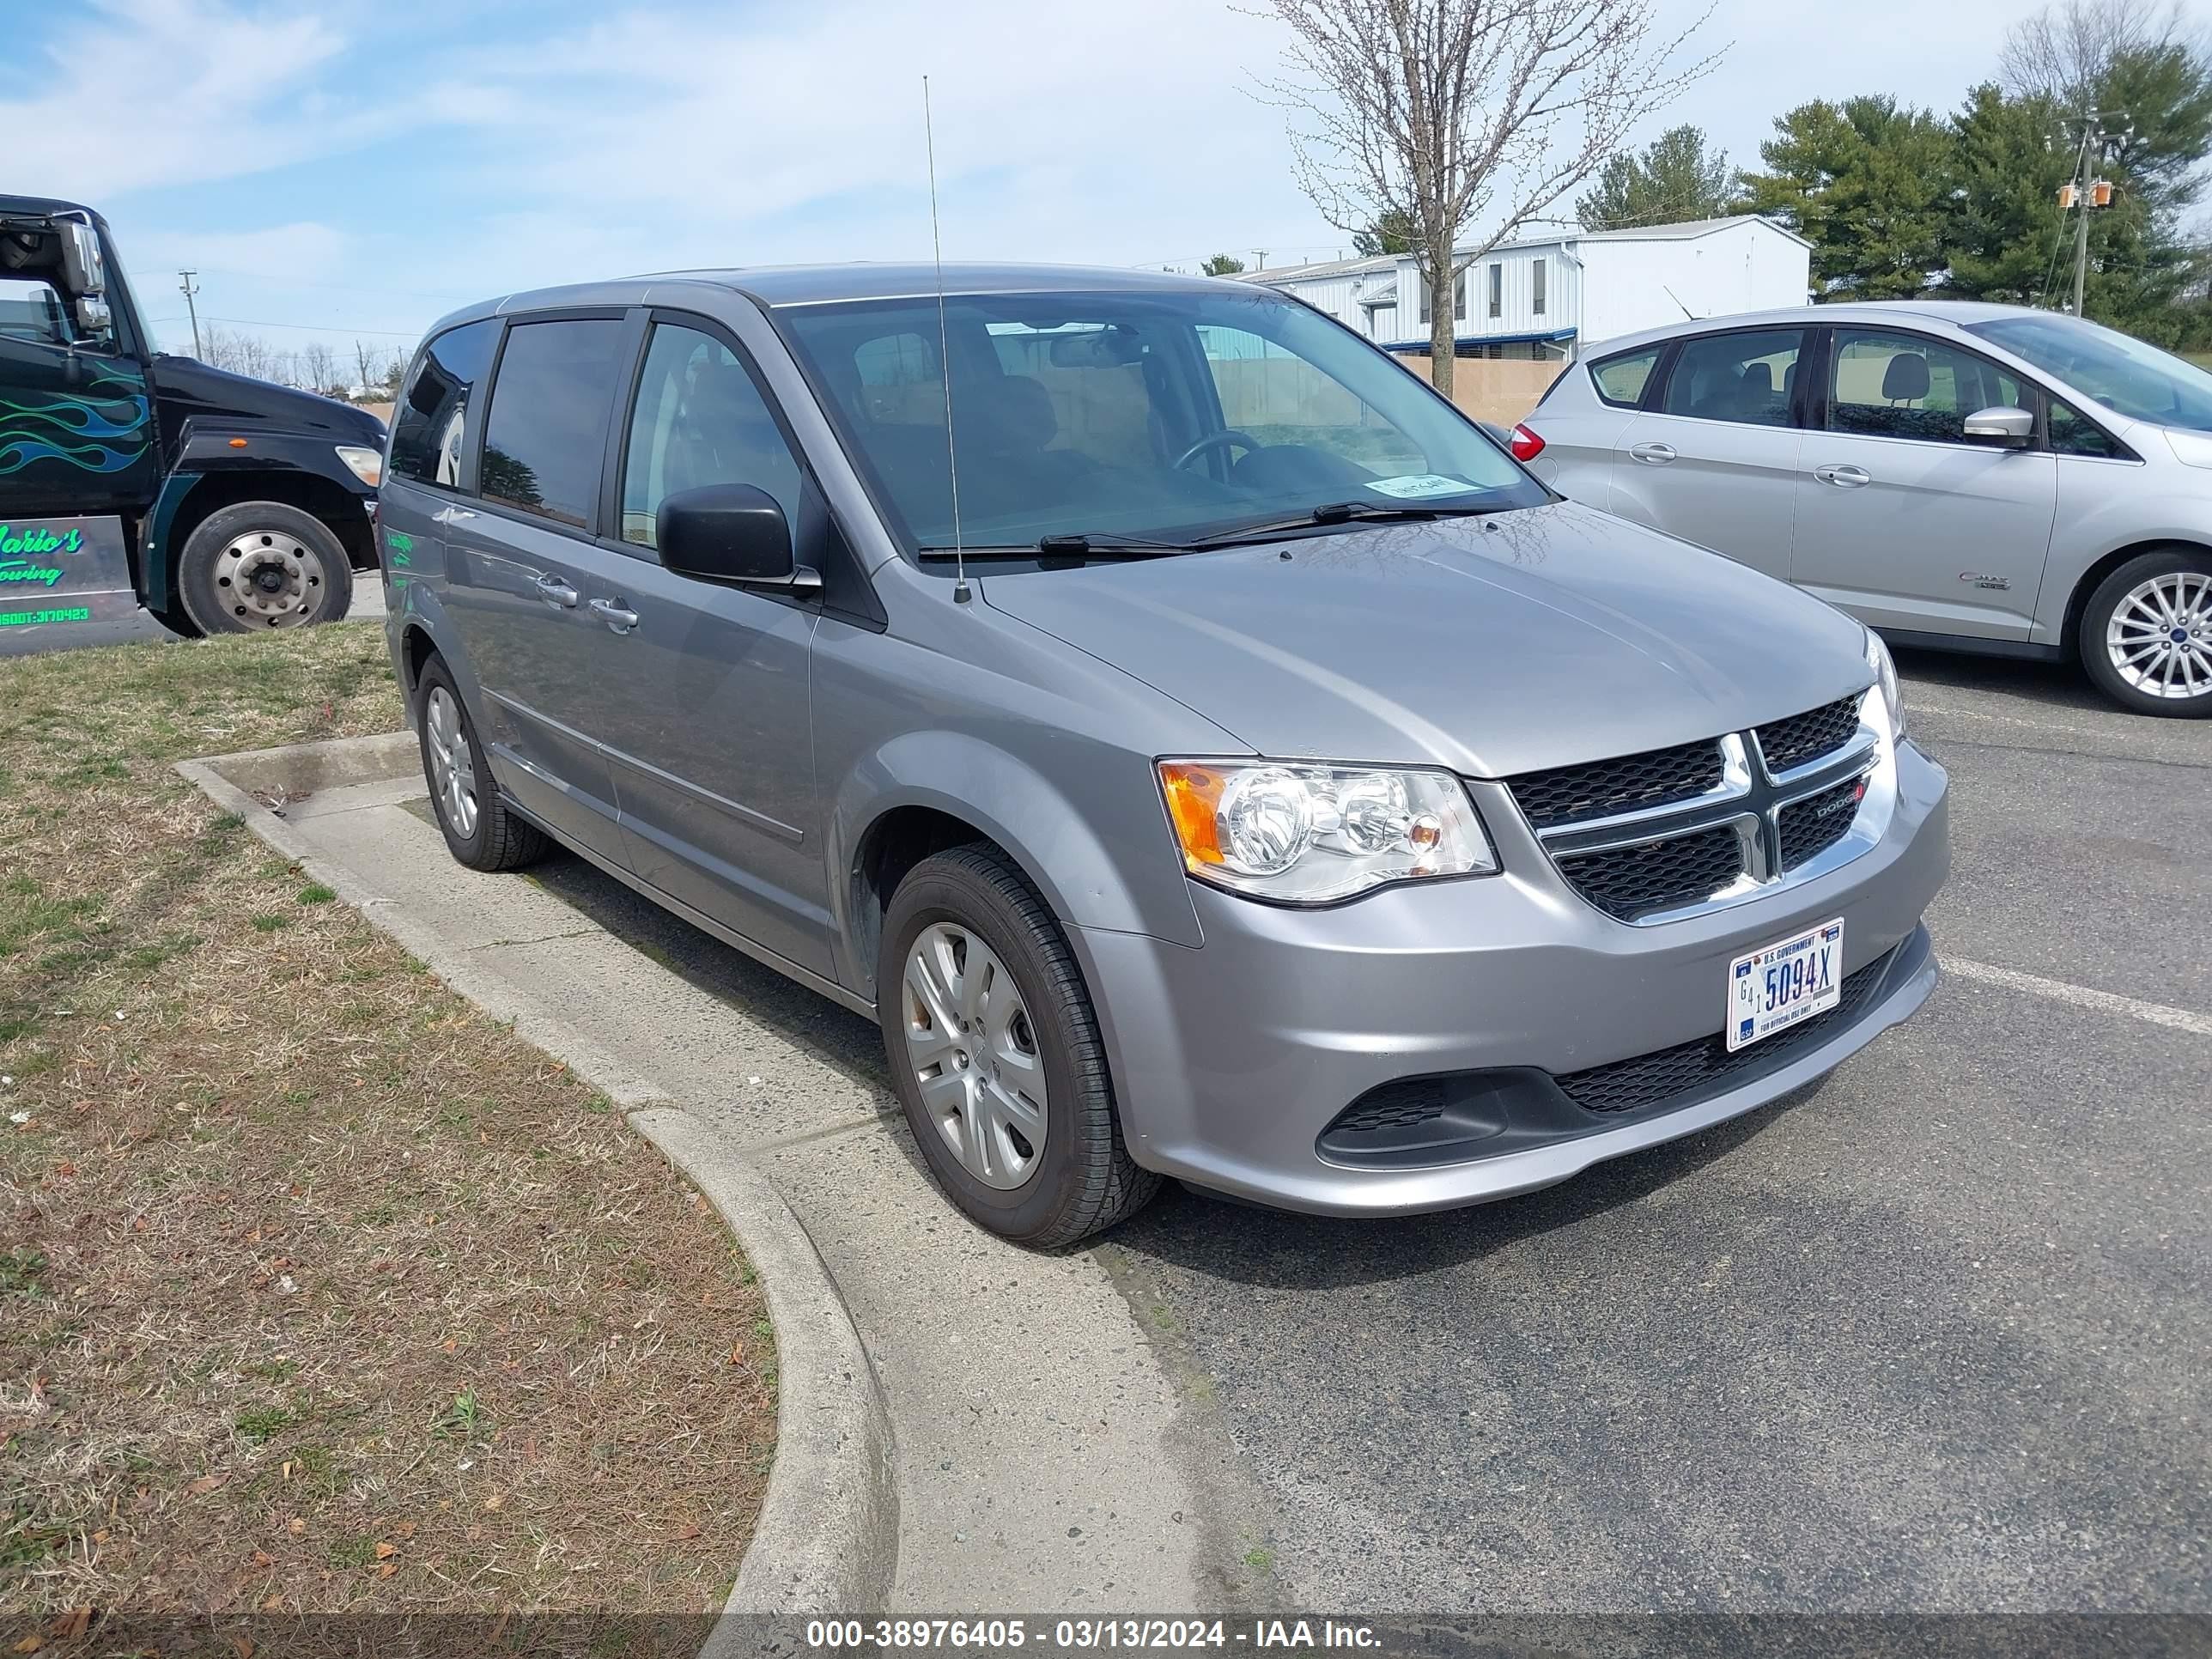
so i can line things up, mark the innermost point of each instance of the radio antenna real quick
(945, 356)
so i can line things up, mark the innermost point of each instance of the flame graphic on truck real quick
(103, 430)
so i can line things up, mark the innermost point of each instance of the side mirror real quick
(729, 532)
(84, 269)
(2003, 427)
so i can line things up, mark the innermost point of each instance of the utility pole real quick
(2083, 193)
(189, 291)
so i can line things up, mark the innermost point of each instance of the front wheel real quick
(260, 565)
(2146, 634)
(995, 1053)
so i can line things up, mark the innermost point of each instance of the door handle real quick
(452, 515)
(1653, 454)
(612, 613)
(554, 591)
(1845, 476)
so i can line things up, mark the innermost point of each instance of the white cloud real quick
(150, 92)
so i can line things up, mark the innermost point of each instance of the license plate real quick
(1785, 984)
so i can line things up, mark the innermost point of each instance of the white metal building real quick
(1554, 295)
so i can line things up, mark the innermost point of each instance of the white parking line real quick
(2155, 1013)
(1939, 710)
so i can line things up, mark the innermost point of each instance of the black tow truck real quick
(130, 478)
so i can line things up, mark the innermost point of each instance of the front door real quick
(76, 425)
(520, 560)
(1715, 461)
(708, 722)
(1900, 521)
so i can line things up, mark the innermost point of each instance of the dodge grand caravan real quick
(1201, 749)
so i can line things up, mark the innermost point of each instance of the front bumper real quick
(1230, 1061)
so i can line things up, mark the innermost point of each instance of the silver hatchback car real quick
(1974, 478)
(1235, 767)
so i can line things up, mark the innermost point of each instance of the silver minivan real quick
(1967, 477)
(1199, 749)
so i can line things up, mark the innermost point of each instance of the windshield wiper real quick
(1075, 544)
(1332, 512)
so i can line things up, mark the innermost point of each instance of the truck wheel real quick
(261, 565)
(995, 1053)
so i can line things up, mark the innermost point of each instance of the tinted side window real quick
(2072, 434)
(30, 309)
(699, 420)
(546, 435)
(1908, 386)
(426, 427)
(1737, 377)
(1620, 380)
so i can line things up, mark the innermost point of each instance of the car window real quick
(699, 419)
(1620, 380)
(427, 426)
(2073, 434)
(1745, 377)
(30, 309)
(1271, 393)
(1909, 385)
(2126, 376)
(1100, 407)
(545, 436)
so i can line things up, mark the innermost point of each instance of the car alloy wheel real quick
(2159, 636)
(453, 762)
(975, 1056)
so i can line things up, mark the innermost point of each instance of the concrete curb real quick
(826, 1536)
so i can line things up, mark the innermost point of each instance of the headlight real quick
(1885, 680)
(367, 464)
(1307, 835)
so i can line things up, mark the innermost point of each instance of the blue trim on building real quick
(1466, 348)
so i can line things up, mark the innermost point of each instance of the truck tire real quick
(261, 565)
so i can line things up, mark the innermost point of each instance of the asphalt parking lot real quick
(1931, 1336)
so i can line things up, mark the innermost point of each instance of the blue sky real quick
(343, 171)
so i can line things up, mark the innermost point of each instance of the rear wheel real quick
(995, 1053)
(260, 565)
(480, 829)
(2146, 634)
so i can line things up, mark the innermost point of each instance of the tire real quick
(261, 565)
(2126, 618)
(481, 830)
(1081, 1179)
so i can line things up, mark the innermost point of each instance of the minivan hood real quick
(1492, 646)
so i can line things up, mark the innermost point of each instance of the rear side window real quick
(1747, 378)
(31, 310)
(426, 427)
(1620, 380)
(545, 437)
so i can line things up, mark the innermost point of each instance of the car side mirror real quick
(84, 270)
(2003, 428)
(728, 533)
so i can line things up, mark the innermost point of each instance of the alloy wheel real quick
(973, 1050)
(453, 762)
(2159, 636)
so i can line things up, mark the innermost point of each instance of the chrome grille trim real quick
(1750, 799)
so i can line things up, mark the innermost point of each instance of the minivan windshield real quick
(1163, 416)
(2128, 377)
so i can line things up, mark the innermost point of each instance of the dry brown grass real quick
(319, 1290)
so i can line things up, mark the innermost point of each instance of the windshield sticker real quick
(1413, 486)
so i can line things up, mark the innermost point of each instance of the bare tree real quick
(2062, 52)
(1444, 113)
(318, 367)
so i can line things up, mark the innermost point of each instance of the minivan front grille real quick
(1633, 881)
(1627, 784)
(1678, 1074)
(1787, 744)
(1644, 835)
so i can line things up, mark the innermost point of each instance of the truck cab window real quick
(30, 309)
